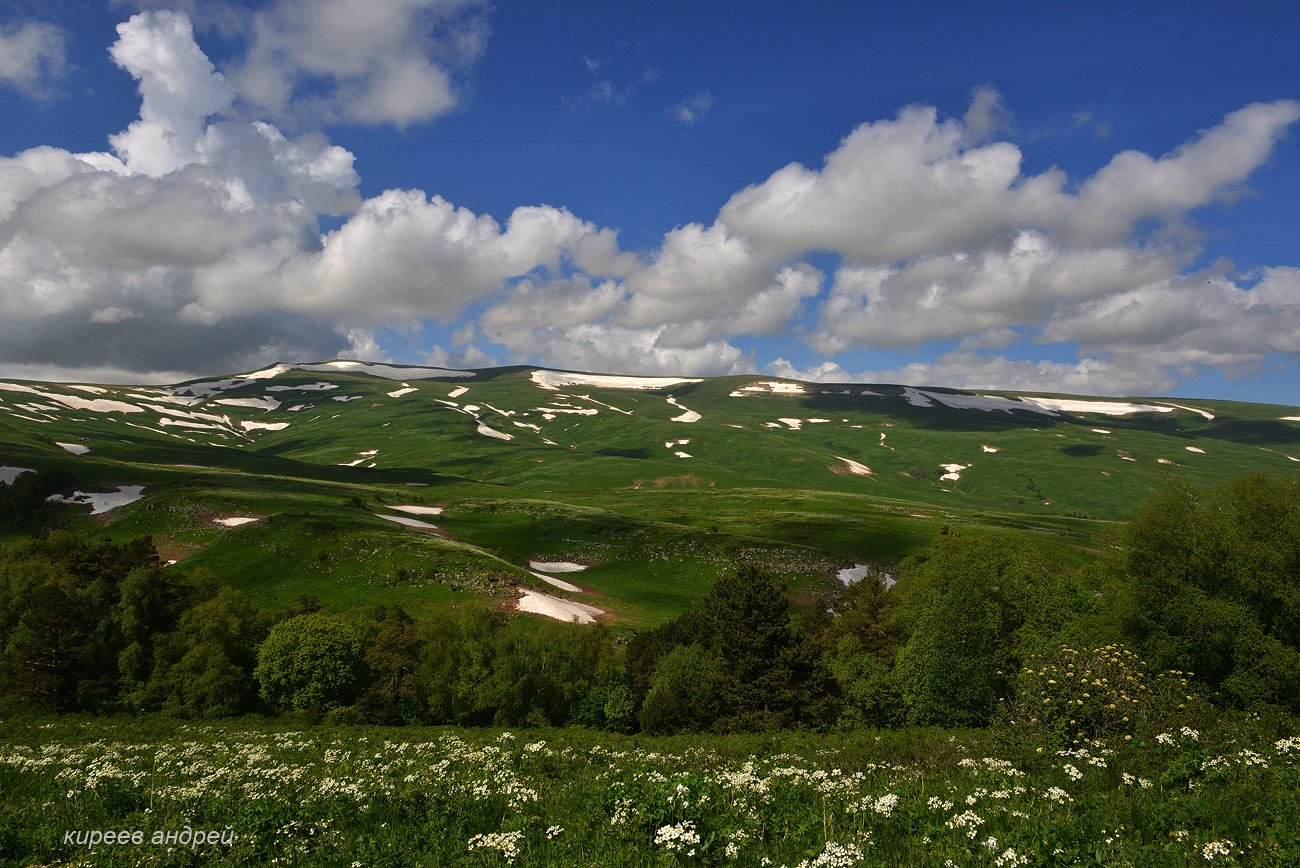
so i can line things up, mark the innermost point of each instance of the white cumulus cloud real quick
(33, 57)
(359, 61)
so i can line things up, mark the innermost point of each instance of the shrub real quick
(1071, 697)
(310, 663)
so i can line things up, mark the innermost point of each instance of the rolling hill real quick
(594, 496)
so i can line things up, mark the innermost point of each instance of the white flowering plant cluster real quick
(375, 796)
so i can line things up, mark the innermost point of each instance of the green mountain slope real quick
(654, 485)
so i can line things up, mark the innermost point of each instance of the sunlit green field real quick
(381, 797)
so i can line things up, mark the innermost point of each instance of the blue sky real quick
(1094, 198)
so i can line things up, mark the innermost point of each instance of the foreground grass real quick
(437, 796)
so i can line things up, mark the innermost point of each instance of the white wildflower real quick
(680, 837)
(1215, 849)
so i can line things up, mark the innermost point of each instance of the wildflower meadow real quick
(147, 792)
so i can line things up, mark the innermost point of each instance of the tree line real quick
(1197, 596)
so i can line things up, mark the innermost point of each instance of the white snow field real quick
(236, 521)
(101, 502)
(555, 380)
(561, 610)
(986, 403)
(1104, 408)
(74, 448)
(769, 387)
(387, 372)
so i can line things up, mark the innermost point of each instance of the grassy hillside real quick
(653, 486)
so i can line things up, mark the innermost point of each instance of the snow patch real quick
(310, 387)
(769, 387)
(553, 607)
(795, 424)
(96, 405)
(101, 502)
(688, 415)
(557, 566)
(1103, 408)
(387, 372)
(953, 471)
(988, 448)
(415, 509)
(74, 448)
(263, 426)
(343, 399)
(9, 474)
(494, 433)
(1195, 449)
(91, 390)
(1290, 418)
(681, 454)
(409, 522)
(576, 411)
(458, 391)
(236, 521)
(183, 423)
(555, 380)
(858, 572)
(400, 392)
(254, 403)
(855, 467)
(987, 403)
(915, 398)
(558, 583)
(1206, 413)
(1163, 461)
(1100, 431)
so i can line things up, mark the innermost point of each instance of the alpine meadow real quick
(546, 617)
(461, 433)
